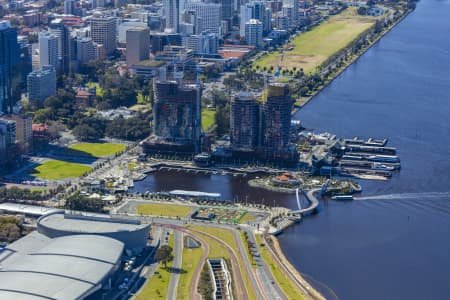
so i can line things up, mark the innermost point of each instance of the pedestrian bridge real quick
(311, 197)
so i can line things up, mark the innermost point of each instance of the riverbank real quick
(305, 100)
(292, 272)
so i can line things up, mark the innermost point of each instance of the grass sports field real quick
(57, 169)
(208, 118)
(98, 149)
(314, 47)
(168, 210)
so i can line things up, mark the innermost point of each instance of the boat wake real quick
(431, 195)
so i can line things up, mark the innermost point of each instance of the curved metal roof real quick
(68, 267)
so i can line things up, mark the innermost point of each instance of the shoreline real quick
(307, 288)
(351, 62)
(276, 244)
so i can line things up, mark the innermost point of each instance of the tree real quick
(164, 254)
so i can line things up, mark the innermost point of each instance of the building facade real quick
(177, 113)
(23, 131)
(9, 60)
(208, 16)
(48, 49)
(276, 117)
(41, 84)
(61, 31)
(138, 45)
(171, 10)
(244, 122)
(254, 33)
(103, 31)
(7, 140)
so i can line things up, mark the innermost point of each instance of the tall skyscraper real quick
(138, 45)
(295, 7)
(60, 30)
(41, 84)
(7, 140)
(103, 31)
(207, 14)
(251, 10)
(254, 33)
(177, 113)
(172, 13)
(48, 49)
(25, 60)
(69, 6)
(9, 60)
(276, 117)
(244, 121)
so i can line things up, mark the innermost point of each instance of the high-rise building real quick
(23, 131)
(138, 45)
(87, 50)
(48, 49)
(244, 122)
(251, 10)
(7, 140)
(123, 27)
(206, 43)
(226, 12)
(254, 33)
(61, 31)
(177, 113)
(172, 13)
(9, 60)
(98, 3)
(276, 117)
(207, 14)
(69, 7)
(25, 60)
(294, 5)
(41, 84)
(103, 31)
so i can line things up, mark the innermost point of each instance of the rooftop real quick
(43, 271)
(150, 63)
(88, 224)
(194, 194)
(27, 209)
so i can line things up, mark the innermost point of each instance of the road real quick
(177, 263)
(256, 283)
(241, 289)
(273, 291)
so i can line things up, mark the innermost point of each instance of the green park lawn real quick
(98, 149)
(314, 47)
(57, 169)
(159, 209)
(228, 238)
(208, 119)
(191, 258)
(247, 218)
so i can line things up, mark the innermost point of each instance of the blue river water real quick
(394, 241)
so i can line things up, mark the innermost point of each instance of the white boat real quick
(380, 166)
(384, 158)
